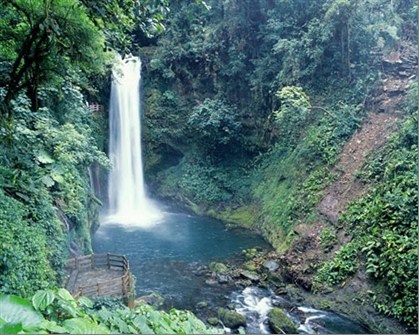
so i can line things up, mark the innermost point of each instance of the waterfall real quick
(128, 201)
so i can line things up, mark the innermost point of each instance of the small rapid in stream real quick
(256, 303)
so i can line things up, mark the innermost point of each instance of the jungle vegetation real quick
(247, 106)
(55, 56)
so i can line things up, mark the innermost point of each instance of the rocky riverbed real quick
(261, 300)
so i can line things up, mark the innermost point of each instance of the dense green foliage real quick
(57, 312)
(43, 41)
(43, 181)
(25, 251)
(231, 61)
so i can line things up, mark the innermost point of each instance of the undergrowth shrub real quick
(288, 180)
(57, 312)
(25, 262)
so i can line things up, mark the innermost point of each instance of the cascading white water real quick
(128, 202)
(252, 303)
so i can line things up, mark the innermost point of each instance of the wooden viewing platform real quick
(95, 107)
(100, 275)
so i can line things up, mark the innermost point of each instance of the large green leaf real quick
(65, 295)
(44, 158)
(42, 299)
(11, 328)
(141, 322)
(48, 181)
(84, 326)
(84, 301)
(52, 327)
(15, 310)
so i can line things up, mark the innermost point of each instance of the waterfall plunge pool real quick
(164, 258)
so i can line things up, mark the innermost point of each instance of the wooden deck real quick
(100, 275)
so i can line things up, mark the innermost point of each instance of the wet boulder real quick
(201, 304)
(253, 276)
(223, 279)
(280, 323)
(213, 321)
(231, 319)
(153, 299)
(271, 265)
(250, 253)
(218, 267)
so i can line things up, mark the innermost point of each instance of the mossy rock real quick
(242, 216)
(250, 266)
(253, 276)
(280, 323)
(276, 280)
(231, 319)
(202, 304)
(153, 299)
(250, 253)
(213, 321)
(218, 267)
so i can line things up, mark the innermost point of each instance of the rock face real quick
(373, 134)
(280, 323)
(399, 70)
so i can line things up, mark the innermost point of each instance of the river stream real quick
(166, 257)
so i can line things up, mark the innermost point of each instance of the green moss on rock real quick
(218, 267)
(231, 319)
(280, 323)
(243, 216)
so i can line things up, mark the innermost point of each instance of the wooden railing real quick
(95, 107)
(122, 286)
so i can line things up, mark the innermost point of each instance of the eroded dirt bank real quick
(299, 263)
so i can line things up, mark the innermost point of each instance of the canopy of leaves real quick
(214, 123)
(43, 40)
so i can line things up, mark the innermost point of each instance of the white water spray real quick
(255, 307)
(128, 202)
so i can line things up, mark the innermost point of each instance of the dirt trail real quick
(300, 260)
(373, 134)
(399, 70)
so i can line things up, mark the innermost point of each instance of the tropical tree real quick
(43, 40)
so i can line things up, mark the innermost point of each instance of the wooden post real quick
(131, 296)
(109, 263)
